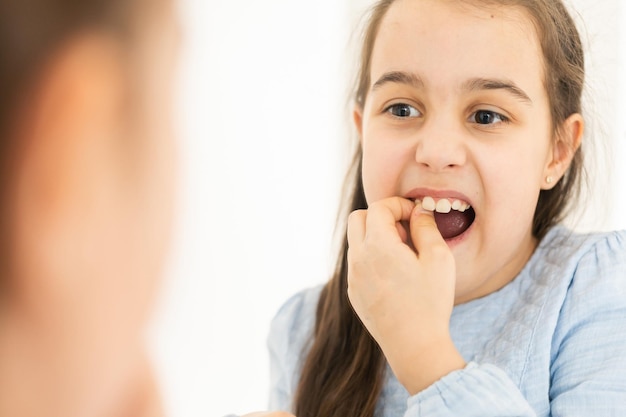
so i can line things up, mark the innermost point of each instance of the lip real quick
(427, 192)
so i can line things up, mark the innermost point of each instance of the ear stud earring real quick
(549, 179)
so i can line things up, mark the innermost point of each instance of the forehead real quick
(446, 42)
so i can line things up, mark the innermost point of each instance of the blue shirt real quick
(550, 343)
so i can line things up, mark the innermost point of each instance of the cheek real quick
(511, 177)
(384, 161)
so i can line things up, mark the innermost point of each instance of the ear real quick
(568, 140)
(65, 175)
(357, 117)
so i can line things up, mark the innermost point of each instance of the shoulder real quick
(298, 309)
(588, 360)
(599, 281)
(582, 256)
(567, 263)
(599, 264)
(293, 324)
(596, 291)
(290, 333)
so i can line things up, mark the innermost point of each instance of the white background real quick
(264, 128)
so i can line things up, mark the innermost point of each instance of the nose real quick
(440, 146)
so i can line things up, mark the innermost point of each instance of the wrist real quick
(419, 366)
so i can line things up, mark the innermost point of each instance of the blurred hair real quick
(343, 373)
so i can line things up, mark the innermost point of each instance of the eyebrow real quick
(398, 77)
(472, 85)
(478, 84)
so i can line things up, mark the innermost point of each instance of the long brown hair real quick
(344, 370)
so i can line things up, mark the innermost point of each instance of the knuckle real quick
(384, 205)
(355, 215)
(374, 208)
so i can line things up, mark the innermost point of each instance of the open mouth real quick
(453, 218)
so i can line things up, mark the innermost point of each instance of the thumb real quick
(424, 232)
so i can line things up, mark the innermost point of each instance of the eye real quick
(402, 110)
(487, 117)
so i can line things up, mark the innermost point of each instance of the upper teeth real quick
(443, 205)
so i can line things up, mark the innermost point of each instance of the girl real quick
(86, 191)
(457, 292)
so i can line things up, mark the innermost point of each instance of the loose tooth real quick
(428, 204)
(456, 204)
(418, 201)
(444, 206)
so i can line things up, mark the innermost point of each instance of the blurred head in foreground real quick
(86, 185)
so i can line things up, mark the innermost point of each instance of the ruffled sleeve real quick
(475, 391)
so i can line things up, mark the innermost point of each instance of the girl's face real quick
(457, 110)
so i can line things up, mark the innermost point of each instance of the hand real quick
(404, 296)
(270, 414)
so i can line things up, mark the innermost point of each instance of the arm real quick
(279, 378)
(290, 331)
(589, 360)
(476, 391)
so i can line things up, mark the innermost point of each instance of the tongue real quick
(452, 224)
